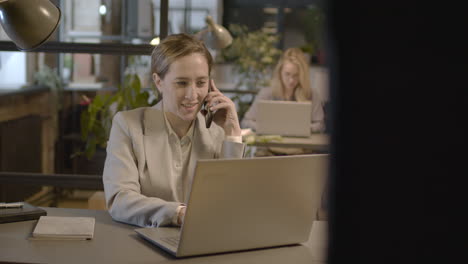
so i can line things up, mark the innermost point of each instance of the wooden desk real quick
(117, 243)
(316, 142)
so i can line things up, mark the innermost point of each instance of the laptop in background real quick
(284, 118)
(242, 204)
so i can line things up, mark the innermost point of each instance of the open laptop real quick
(284, 118)
(242, 204)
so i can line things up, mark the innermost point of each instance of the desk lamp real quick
(29, 23)
(217, 36)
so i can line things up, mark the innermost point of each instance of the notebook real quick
(243, 204)
(25, 213)
(284, 118)
(64, 228)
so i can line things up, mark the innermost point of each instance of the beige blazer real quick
(139, 186)
(317, 123)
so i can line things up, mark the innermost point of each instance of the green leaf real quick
(90, 148)
(96, 120)
(84, 119)
(136, 84)
(76, 154)
(98, 101)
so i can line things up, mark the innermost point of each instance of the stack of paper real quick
(64, 228)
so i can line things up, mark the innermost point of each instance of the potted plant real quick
(313, 21)
(253, 55)
(96, 119)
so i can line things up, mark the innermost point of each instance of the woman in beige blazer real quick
(152, 151)
(291, 82)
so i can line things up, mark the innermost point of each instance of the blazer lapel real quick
(156, 144)
(203, 147)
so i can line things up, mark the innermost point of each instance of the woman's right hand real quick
(181, 215)
(224, 111)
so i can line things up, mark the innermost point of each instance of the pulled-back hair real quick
(303, 90)
(174, 47)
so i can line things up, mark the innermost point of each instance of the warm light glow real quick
(155, 41)
(102, 10)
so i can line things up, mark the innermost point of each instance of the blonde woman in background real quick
(290, 82)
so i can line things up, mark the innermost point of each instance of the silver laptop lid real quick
(285, 118)
(238, 204)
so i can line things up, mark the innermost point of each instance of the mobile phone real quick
(209, 113)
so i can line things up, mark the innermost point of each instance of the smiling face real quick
(289, 77)
(184, 87)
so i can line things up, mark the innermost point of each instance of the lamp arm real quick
(200, 34)
(209, 20)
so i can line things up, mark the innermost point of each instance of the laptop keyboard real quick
(173, 241)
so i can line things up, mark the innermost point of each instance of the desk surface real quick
(318, 142)
(117, 243)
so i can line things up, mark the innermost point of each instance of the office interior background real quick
(399, 138)
(103, 47)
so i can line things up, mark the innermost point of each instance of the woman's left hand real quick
(224, 111)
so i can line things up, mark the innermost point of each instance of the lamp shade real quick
(218, 36)
(29, 23)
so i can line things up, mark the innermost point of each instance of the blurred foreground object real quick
(29, 23)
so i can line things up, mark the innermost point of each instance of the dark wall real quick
(399, 132)
(20, 151)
